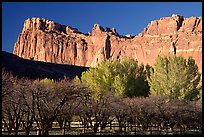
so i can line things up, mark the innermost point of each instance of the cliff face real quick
(38, 70)
(48, 41)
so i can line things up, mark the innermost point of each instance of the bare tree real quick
(73, 92)
(120, 111)
(12, 109)
(8, 80)
(50, 101)
(28, 100)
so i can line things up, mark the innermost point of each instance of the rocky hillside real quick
(35, 69)
(45, 40)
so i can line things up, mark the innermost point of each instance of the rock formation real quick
(31, 69)
(48, 41)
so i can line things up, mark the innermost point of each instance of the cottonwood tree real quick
(27, 103)
(84, 110)
(94, 112)
(131, 80)
(175, 77)
(8, 80)
(74, 92)
(124, 79)
(102, 111)
(133, 110)
(50, 98)
(12, 109)
(17, 103)
(200, 90)
(7, 88)
(120, 112)
(7, 113)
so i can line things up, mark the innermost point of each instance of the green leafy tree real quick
(99, 79)
(175, 77)
(200, 89)
(124, 79)
(48, 82)
(131, 79)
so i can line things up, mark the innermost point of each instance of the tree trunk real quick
(16, 128)
(38, 131)
(16, 131)
(96, 125)
(69, 124)
(125, 127)
(84, 127)
(46, 132)
(27, 131)
(64, 127)
(110, 125)
(9, 128)
(120, 126)
(46, 128)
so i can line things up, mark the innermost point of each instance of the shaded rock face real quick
(31, 69)
(45, 40)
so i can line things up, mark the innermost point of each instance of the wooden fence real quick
(78, 129)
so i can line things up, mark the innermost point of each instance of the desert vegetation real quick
(136, 98)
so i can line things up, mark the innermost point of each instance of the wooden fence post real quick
(64, 126)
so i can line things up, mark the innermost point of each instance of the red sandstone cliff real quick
(45, 40)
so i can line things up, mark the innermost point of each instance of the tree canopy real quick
(175, 77)
(124, 79)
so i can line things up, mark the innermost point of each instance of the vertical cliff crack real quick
(195, 23)
(179, 22)
(173, 44)
(118, 57)
(107, 47)
(75, 50)
(174, 48)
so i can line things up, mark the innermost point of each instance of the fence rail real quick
(79, 129)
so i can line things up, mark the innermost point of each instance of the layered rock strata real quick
(47, 41)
